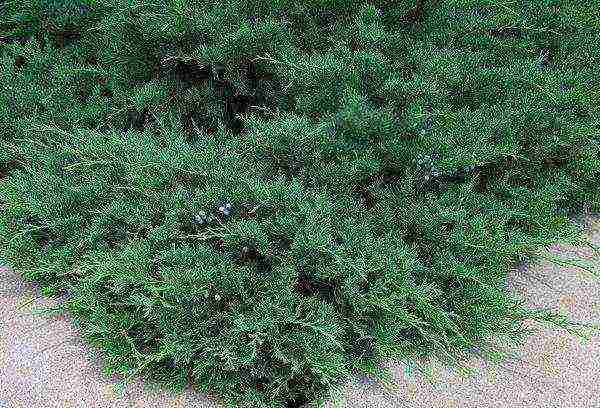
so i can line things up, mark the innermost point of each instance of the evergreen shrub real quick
(262, 197)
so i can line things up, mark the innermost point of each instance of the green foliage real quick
(262, 197)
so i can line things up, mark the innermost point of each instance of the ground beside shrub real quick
(260, 198)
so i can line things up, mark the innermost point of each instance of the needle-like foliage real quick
(261, 197)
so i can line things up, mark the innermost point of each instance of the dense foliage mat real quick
(261, 197)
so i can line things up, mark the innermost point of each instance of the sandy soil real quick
(44, 363)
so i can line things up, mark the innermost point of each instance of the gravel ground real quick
(44, 363)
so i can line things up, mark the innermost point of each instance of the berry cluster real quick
(223, 212)
(427, 165)
(431, 179)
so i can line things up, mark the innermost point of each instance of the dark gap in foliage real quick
(249, 254)
(425, 253)
(138, 120)
(218, 244)
(20, 62)
(428, 184)
(557, 159)
(236, 105)
(191, 72)
(41, 108)
(365, 284)
(225, 304)
(191, 306)
(282, 242)
(142, 233)
(556, 162)
(168, 365)
(449, 284)
(521, 224)
(391, 176)
(528, 145)
(325, 19)
(337, 240)
(377, 101)
(145, 337)
(41, 41)
(571, 205)
(6, 26)
(505, 166)
(410, 334)
(505, 33)
(114, 302)
(566, 87)
(411, 306)
(409, 135)
(83, 93)
(106, 93)
(433, 181)
(292, 170)
(354, 45)
(91, 60)
(260, 384)
(249, 211)
(157, 218)
(497, 136)
(259, 376)
(42, 235)
(461, 97)
(308, 286)
(415, 236)
(485, 174)
(251, 74)
(366, 197)
(187, 224)
(192, 121)
(219, 72)
(297, 402)
(116, 233)
(447, 227)
(416, 14)
(188, 180)
(21, 40)
(6, 168)
(505, 196)
(65, 37)
(364, 347)
(223, 87)
(264, 75)
(298, 386)
(399, 109)
(217, 325)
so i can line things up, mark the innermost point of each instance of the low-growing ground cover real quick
(260, 198)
